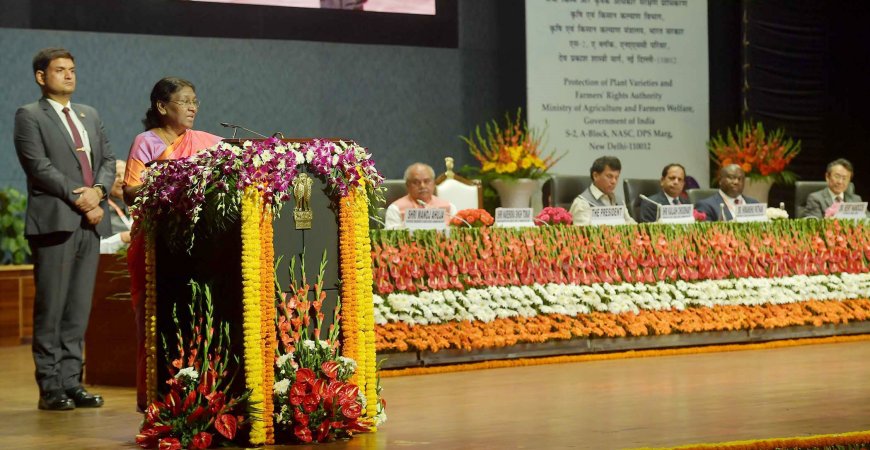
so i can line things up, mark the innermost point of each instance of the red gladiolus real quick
(201, 441)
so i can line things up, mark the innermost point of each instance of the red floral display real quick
(314, 399)
(553, 216)
(196, 412)
(645, 253)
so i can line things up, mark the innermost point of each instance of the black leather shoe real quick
(56, 401)
(83, 398)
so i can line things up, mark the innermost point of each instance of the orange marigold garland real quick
(347, 243)
(267, 317)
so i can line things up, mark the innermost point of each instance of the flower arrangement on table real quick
(474, 218)
(315, 398)
(553, 215)
(196, 412)
(763, 155)
(495, 287)
(508, 152)
(227, 184)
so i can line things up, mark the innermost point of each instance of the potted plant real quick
(14, 252)
(763, 155)
(511, 159)
(13, 245)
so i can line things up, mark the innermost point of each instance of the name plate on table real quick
(676, 213)
(608, 215)
(751, 212)
(514, 217)
(852, 210)
(425, 219)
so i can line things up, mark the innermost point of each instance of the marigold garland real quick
(267, 316)
(150, 320)
(251, 303)
(356, 293)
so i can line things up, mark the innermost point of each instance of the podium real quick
(220, 220)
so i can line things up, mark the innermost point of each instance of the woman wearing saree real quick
(169, 135)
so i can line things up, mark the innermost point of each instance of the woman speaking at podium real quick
(168, 135)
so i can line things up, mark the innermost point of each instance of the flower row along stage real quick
(491, 288)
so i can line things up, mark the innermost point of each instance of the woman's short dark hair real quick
(45, 56)
(601, 163)
(162, 92)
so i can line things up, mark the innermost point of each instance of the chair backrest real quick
(456, 189)
(561, 190)
(802, 190)
(699, 194)
(633, 187)
(395, 189)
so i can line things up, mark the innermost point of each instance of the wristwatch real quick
(102, 189)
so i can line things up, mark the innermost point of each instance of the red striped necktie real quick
(87, 172)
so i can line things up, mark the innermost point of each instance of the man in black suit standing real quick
(672, 182)
(838, 176)
(65, 154)
(731, 182)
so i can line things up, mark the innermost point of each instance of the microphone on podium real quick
(658, 206)
(423, 204)
(239, 127)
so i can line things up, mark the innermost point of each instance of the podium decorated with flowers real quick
(241, 349)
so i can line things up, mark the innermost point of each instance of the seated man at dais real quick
(420, 182)
(723, 204)
(820, 204)
(602, 192)
(672, 182)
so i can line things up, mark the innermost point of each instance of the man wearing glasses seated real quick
(823, 203)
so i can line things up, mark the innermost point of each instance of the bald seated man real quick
(732, 179)
(420, 183)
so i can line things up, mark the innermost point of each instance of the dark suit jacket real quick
(819, 201)
(710, 207)
(648, 211)
(47, 154)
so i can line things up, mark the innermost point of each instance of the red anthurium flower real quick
(323, 431)
(196, 414)
(226, 425)
(305, 375)
(201, 441)
(169, 444)
(351, 410)
(302, 433)
(330, 369)
(310, 402)
(300, 418)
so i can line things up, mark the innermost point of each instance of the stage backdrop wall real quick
(405, 103)
(627, 79)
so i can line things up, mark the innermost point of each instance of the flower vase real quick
(757, 189)
(515, 193)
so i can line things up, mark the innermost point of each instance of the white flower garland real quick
(489, 303)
